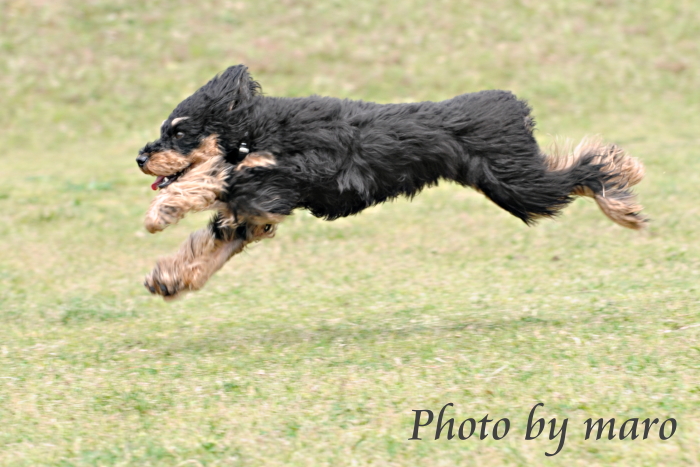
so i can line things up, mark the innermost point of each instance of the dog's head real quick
(191, 134)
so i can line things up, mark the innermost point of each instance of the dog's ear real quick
(232, 88)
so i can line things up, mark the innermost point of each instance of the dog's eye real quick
(179, 135)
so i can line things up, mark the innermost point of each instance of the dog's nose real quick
(141, 160)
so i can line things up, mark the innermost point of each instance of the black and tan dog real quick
(254, 159)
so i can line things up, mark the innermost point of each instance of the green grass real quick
(315, 347)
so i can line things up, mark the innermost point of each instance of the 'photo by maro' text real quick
(633, 428)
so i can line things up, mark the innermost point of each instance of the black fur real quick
(336, 157)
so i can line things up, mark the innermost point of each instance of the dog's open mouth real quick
(162, 181)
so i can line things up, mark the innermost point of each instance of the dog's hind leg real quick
(536, 185)
(200, 256)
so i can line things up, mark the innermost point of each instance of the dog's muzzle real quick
(146, 152)
(142, 159)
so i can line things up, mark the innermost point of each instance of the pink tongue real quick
(159, 179)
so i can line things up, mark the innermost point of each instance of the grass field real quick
(314, 348)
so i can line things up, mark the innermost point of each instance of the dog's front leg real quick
(161, 214)
(197, 190)
(200, 256)
(169, 207)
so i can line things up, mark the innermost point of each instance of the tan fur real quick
(197, 190)
(165, 163)
(178, 120)
(228, 219)
(257, 159)
(616, 201)
(199, 257)
(170, 162)
(260, 232)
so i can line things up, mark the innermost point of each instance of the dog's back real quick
(354, 154)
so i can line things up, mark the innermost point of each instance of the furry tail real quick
(605, 173)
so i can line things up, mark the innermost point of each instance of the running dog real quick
(254, 159)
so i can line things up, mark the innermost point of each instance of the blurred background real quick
(314, 347)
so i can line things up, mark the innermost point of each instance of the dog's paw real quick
(172, 278)
(166, 280)
(160, 217)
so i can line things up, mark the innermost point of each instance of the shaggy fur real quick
(254, 159)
